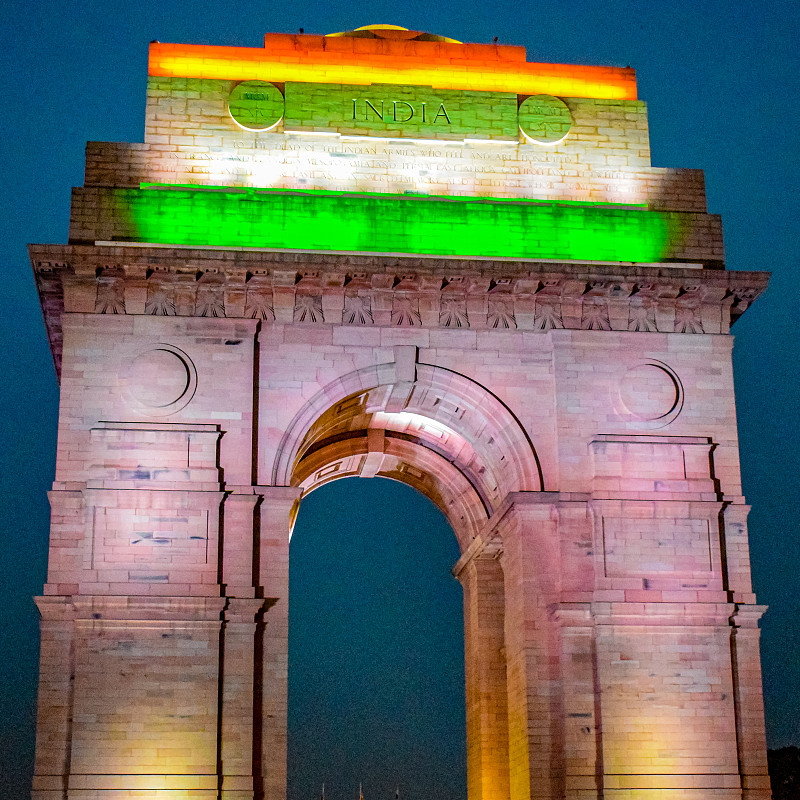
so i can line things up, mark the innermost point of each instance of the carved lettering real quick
(441, 113)
(409, 108)
(401, 111)
(378, 114)
(503, 170)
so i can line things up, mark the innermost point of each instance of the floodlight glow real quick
(301, 59)
(351, 222)
(405, 419)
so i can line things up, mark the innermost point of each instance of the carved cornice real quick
(369, 289)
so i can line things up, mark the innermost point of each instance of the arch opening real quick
(435, 430)
(456, 443)
(376, 660)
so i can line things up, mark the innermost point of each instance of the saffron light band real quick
(305, 60)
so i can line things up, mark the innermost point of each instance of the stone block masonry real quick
(533, 334)
(192, 137)
(447, 170)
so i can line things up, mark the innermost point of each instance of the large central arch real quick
(455, 442)
(434, 429)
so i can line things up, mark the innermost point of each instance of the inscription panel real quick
(502, 169)
(392, 110)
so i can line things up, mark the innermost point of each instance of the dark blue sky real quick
(376, 647)
(721, 79)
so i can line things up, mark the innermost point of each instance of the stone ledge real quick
(371, 290)
(91, 608)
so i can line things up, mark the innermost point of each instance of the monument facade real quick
(388, 253)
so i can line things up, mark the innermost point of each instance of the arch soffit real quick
(406, 462)
(460, 445)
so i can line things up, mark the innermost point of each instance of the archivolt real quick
(427, 426)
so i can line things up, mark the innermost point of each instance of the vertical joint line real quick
(603, 538)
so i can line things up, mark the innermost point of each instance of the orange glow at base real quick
(320, 59)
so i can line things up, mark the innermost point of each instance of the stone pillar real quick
(582, 735)
(745, 655)
(241, 628)
(236, 700)
(736, 550)
(275, 518)
(750, 730)
(572, 616)
(531, 570)
(486, 687)
(54, 721)
(238, 542)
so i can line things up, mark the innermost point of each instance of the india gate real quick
(388, 253)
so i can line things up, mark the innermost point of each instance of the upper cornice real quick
(296, 287)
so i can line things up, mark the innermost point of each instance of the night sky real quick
(377, 665)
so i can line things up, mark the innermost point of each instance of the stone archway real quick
(428, 426)
(238, 335)
(456, 443)
(581, 594)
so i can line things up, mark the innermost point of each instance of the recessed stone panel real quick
(647, 547)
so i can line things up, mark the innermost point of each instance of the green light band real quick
(392, 224)
(212, 187)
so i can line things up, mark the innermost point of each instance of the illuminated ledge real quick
(392, 224)
(669, 265)
(318, 59)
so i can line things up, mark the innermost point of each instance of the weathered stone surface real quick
(574, 420)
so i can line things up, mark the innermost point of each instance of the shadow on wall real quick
(784, 773)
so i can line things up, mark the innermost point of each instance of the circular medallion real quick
(544, 119)
(651, 392)
(162, 379)
(256, 105)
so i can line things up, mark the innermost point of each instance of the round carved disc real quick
(256, 105)
(544, 119)
(158, 378)
(649, 391)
